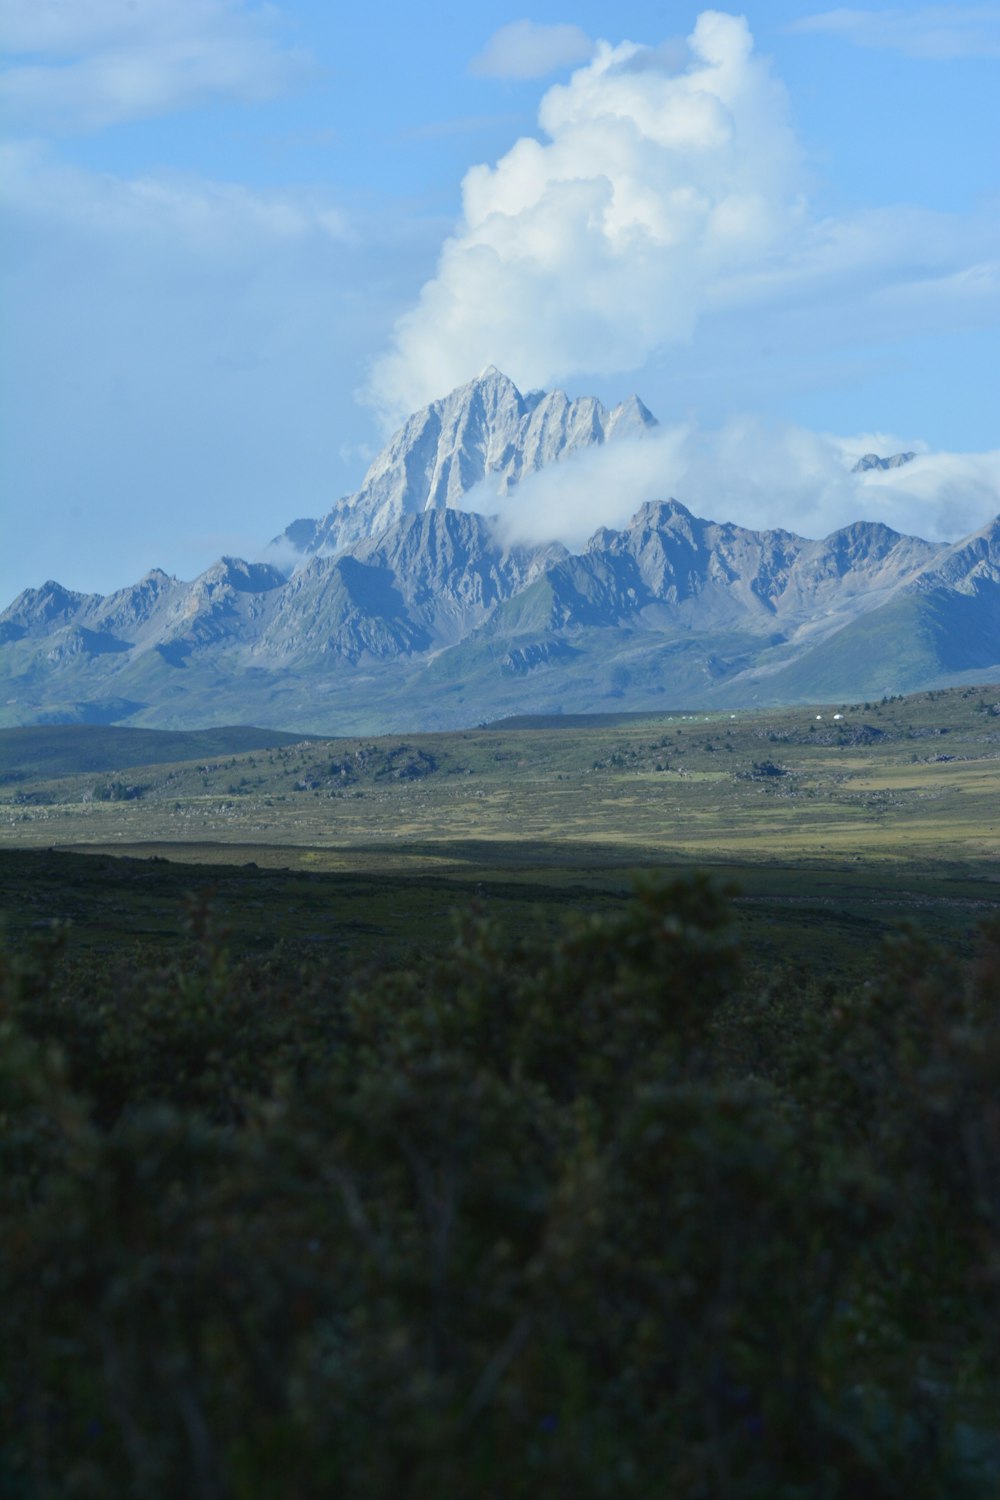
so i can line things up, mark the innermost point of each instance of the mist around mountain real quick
(485, 432)
(403, 608)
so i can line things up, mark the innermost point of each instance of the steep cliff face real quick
(428, 580)
(971, 565)
(486, 431)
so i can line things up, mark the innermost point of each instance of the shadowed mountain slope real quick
(440, 621)
(410, 609)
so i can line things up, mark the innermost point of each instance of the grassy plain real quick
(833, 829)
(339, 1204)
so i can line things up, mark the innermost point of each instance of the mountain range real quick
(485, 432)
(405, 607)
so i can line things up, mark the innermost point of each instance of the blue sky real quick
(240, 239)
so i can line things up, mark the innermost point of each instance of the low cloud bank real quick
(756, 475)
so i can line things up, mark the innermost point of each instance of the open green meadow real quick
(906, 778)
(833, 824)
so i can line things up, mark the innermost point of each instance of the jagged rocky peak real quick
(873, 461)
(134, 606)
(631, 415)
(243, 577)
(873, 547)
(46, 605)
(659, 513)
(872, 539)
(652, 515)
(483, 432)
(150, 586)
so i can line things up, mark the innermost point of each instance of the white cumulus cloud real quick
(524, 49)
(589, 249)
(666, 190)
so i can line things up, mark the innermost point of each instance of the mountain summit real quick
(485, 431)
(412, 610)
(869, 461)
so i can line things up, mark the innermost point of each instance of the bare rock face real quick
(37, 612)
(971, 565)
(484, 431)
(429, 580)
(712, 573)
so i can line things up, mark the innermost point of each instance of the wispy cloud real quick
(463, 125)
(90, 64)
(523, 49)
(938, 32)
(171, 212)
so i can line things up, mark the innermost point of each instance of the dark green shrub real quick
(592, 1217)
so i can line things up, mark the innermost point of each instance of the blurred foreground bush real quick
(594, 1218)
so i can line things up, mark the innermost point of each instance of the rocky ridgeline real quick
(400, 574)
(484, 431)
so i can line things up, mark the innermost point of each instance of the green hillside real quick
(915, 639)
(68, 749)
